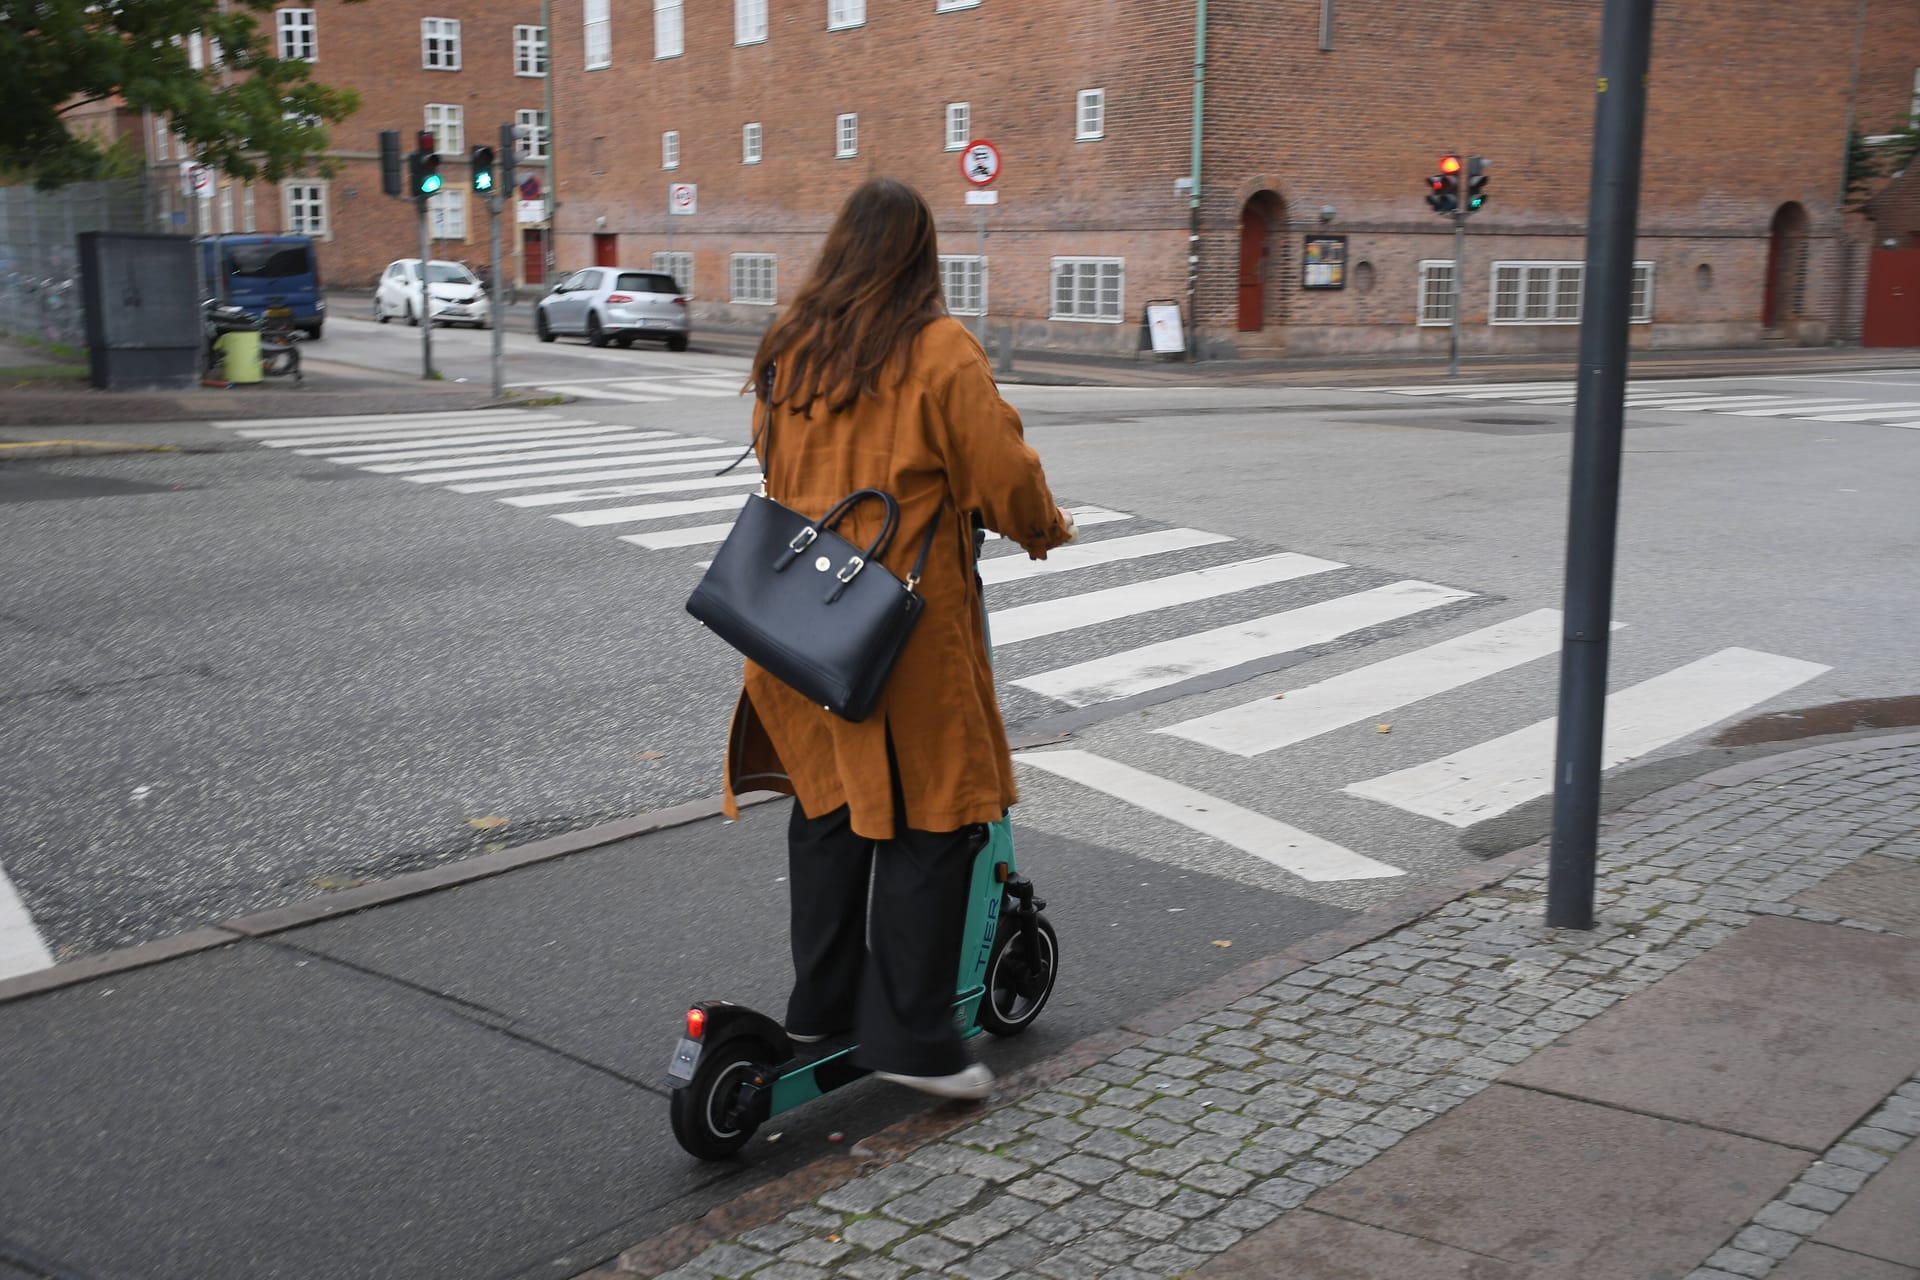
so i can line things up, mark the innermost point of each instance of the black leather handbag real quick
(819, 613)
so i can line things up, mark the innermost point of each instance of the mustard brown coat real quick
(944, 444)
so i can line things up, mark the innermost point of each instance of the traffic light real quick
(506, 161)
(423, 168)
(1443, 188)
(1476, 183)
(481, 161)
(390, 161)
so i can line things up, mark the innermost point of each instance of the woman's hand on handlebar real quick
(1066, 518)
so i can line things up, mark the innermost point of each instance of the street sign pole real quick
(980, 166)
(426, 309)
(980, 250)
(1613, 207)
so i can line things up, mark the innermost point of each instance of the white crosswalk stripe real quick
(393, 452)
(707, 460)
(1491, 778)
(1156, 666)
(1051, 617)
(1305, 855)
(607, 493)
(1016, 567)
(1665, 398)
(651, 511)
(637, 453)
(372, 434)
(1280, 720)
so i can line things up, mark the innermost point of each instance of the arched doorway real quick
(1260, 220)
(1786, 267)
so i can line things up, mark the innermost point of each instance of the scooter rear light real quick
(696, 1023)
(619, 297)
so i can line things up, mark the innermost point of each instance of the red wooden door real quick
(533, 256)
(1893, 299)
(606, 250)
(1253, 271)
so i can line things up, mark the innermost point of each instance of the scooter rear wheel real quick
(700, 1111)
(1019, 983)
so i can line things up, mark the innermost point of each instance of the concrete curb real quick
(348, 902)
(769, 1201)
(73, 449)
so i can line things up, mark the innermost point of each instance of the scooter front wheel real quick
(1019, 980)
(707, 1120)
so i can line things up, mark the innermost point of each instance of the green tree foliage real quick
(1889, 153)
(254, 116)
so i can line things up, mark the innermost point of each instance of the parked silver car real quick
(615, 304)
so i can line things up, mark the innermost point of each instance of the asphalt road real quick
(239, 676)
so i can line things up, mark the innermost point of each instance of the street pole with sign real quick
(980, 166)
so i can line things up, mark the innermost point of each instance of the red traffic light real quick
(423, 141)
(1450, 164)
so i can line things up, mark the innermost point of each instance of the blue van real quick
(274, 277)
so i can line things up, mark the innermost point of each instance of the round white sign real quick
(980, 163)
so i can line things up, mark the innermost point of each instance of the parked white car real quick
(615, 304)
(455, 292)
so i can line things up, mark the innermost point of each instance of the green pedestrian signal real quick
(481, 158)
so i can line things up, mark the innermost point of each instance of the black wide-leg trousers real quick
(888, 972)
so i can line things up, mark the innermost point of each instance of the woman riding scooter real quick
(875, 386)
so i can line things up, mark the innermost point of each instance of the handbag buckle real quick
(803, 539)
(852, 567)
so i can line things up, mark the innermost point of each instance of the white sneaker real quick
(974, 1082)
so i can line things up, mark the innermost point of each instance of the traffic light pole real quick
(426, 298)
(1613, 208)
(1459, 282)
(499, 318)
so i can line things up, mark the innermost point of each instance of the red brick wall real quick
(1747, 113)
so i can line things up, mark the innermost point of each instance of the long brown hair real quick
(875, 286)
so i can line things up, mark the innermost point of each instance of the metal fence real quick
(40, 255)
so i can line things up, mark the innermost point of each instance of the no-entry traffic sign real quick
(683, 197)
(980, 162)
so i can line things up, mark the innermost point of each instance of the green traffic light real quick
(430, 184)
(483, 181)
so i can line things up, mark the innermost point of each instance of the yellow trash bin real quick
(239, 355)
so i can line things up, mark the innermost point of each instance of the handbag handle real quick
(877, 548)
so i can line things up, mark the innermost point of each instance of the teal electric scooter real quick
(734, 1067)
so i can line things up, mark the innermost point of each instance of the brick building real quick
(1321, 122)
(460, 68)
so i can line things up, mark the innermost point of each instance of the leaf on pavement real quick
(1278, 696)
(1383, 728)
(494, 846)
(488, 823)
(651, 755)
(1223, 942)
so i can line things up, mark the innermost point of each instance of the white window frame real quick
(225, 200)
(843, 15)
(751, 270)
(439, 44)
(959, 124)
(669, 28)
(1913, 106)
(534, 145)
(247, 221)
(447, 213)
(162, 135)
(1090, 115)
(963, 281)
(304, 208)
(296, 35)
(195, 59)
(1096, 268)
(597, 29)
(947, 6)
(677, 263)
(450, 133)
(1435, 303)
(1550, 292)
(670, 149)
(749, 21)
(752, 142)
(846, 135)
(530, 50)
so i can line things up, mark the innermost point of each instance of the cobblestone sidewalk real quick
(1168, 1153)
